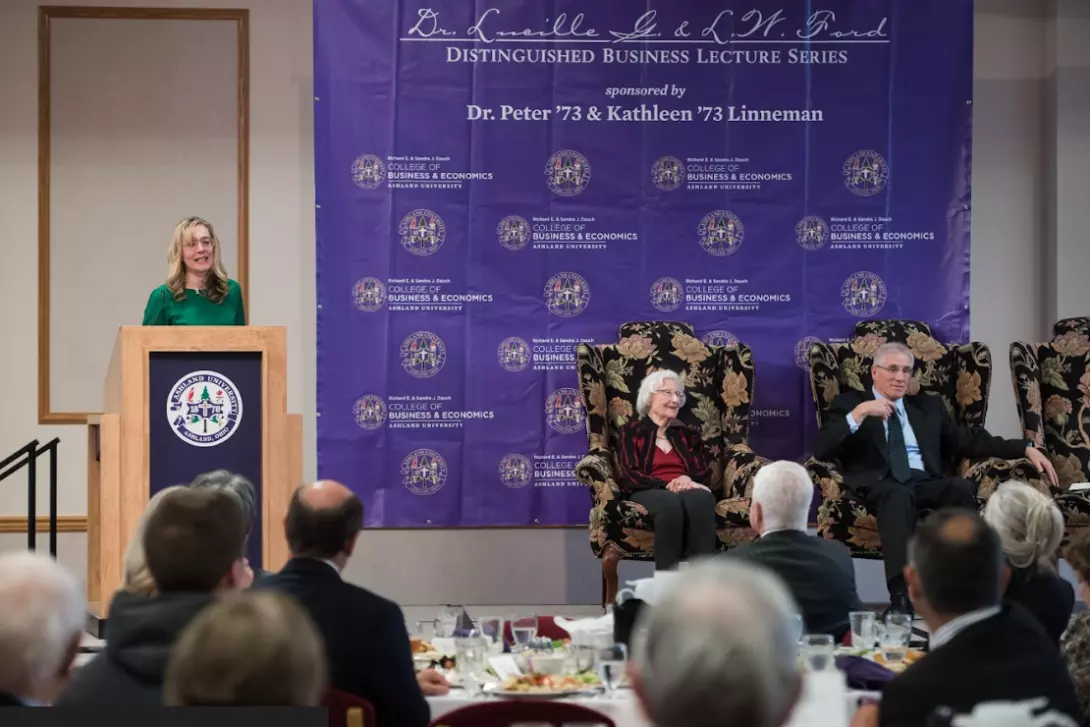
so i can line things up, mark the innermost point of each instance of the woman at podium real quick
(197, 291)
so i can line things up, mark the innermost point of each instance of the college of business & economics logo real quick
(567, 295)
(513, 232)
(667, 173)
(423, 354)
(423, 472)
(369, 294)
(721, 233)
(567, 172)
(513, 354)
(811, 233)
(863, 294)
(368, 171)
(515, 471)
(667, 294)
(204, 408)
(865, 173)
(564, 411)
(802, 351)
(369, 411)
(719, 338)
(422, 232)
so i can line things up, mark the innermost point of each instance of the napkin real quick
(864, 674)
(587, 631)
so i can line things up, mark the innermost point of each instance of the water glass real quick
(492, 630)
(523, 631)
(425, 630)
(864, 626)
(610, 662)
(819, 652)
(448, 621)
(471, 659)
(799, 629)
(894, 637)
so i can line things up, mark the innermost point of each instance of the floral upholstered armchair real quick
(959, 375)
(1052, 387)
(719, 386)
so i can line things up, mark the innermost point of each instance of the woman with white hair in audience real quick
(239, 489)
(1030, 528)
(665, 467)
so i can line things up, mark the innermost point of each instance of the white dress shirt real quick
(915, 459)
(952, 628)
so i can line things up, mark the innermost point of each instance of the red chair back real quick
(504, 714)
(546, 629)
(345, 710)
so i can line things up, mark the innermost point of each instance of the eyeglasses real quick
(906, 370)
(671, 393)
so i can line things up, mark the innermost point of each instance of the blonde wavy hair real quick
(1028, 523)
(136, 577)
(216, 285)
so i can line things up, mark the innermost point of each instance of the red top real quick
(668, 466)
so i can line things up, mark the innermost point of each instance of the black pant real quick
(684, 523)
(898, 506)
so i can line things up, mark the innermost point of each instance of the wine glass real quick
(610, 664)
(819, 652)
(523, 631)
(491, 628)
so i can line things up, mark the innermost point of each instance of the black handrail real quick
(27, 456)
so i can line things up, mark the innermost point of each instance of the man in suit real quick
(982, 650)
(366, 641)
(892, 449)
(819, 573)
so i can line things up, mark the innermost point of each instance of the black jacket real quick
(1006, 657)
(365, 637)
(942, 440)
(142, 631)
(819, 573)
(1045, 596)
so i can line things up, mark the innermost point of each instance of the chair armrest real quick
(595, 471)
(987, 473)
(742, 466)
(827, 477)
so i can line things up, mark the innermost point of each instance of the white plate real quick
(558, 694)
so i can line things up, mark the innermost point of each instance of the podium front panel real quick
(206, 413)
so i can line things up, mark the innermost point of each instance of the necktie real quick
(896, 449)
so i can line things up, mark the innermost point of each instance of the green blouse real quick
(195, 310)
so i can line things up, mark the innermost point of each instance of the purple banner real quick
(498, 182)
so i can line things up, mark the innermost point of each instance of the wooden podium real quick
(182, 400)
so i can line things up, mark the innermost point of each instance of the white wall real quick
(1013, 257)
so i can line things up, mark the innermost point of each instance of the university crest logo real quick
(811, 233)
(564, 411)
(369, 294)
(567, 173)
(368, 171)
(513, 354)
(423, 354)
(863, 294)
(423, 472)
(515, 471)
(719, 338)
(721, 233)
(422, 232)
(567, 295)
(369, 411)
(667, 294)
(204, 408)
(513, 232)
(667, 173)
(802, 351)
(865, 173)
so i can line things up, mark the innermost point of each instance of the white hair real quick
(651, 382)
(785, 492)
(889, 349)
(40, 621)
(719, 648)
(1028, 523)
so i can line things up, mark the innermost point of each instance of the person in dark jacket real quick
(366, 641)
(193, 547)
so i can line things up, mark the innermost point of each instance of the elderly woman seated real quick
(1030, 528)
(664, 466)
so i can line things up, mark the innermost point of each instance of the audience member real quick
(135, 577)
(365, 637)
(1075, 644)
(245, 495)
(251, 650)
(981, 651)
(818, 572)
(193, 548)
(718, 648)
(41, 622)
(1030, 528)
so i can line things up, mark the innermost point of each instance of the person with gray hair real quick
(1030, 528)
(664, 466)
(41, 623)
(818, 572)
(892, 446)
(718, 648)
(243, 492)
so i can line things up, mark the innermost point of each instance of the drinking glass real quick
(894, 637)
(471, 659)
(799, 629)
(819, 652)
(523, 631)
(448, 621)
(424, 630)
(864, 626)
(492, 630)
(610, 664)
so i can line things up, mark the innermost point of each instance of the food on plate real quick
(420, 646)
(545, 683)
(443, 662)
(911, 656)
